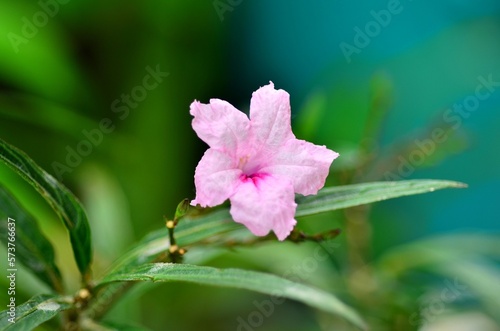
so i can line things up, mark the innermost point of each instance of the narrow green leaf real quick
(234, 278)
(339, 197)
(64, 203)
(197, 229)
(30, 247)
(32, 313)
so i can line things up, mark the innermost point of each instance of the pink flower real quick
(256, 163)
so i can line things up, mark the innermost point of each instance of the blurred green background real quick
(64, 67)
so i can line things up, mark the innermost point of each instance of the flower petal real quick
(306, 165)
(270, 115)
(264, 203)
(216, 178)
(220, 125)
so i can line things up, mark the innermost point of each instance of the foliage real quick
(146, 261)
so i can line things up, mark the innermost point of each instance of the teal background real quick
(432, 53)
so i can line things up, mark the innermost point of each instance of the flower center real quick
(255, 178)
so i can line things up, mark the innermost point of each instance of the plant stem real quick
(105, 299)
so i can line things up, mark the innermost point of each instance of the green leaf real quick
(31, 247)
(32, 313)
(339, 197)
(275, 286)
(194, 229)
(60, 199)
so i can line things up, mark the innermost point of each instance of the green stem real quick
(105, 299)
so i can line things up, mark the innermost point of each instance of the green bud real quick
(182, 209)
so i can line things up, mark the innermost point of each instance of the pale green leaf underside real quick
(241, 279)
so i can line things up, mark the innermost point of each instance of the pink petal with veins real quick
(306, 165)
(270, 115)
(216, 178)
(220, 125)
